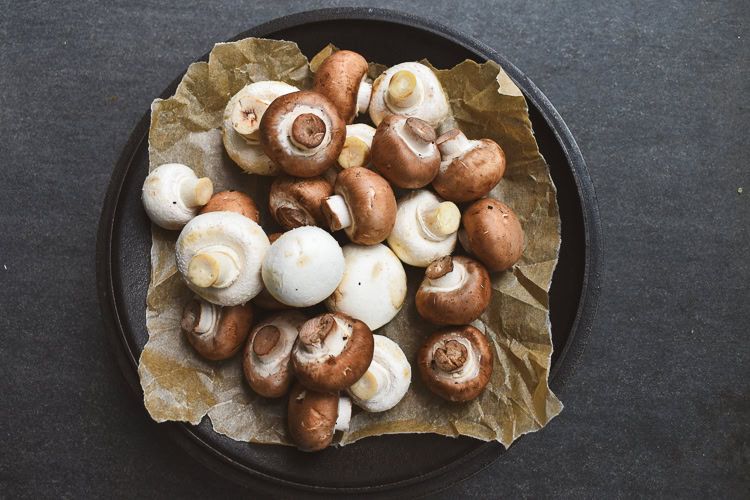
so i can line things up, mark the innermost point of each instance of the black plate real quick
(375, 466)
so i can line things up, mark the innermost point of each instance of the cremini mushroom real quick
(241, 122)
(493, 233)
(364, 206)
(233, 201)
(469, 169)
(303, 267)
(333, 351)
(219, 254)
(341, 77)
(303, 133)
(216, 332)
(267, 359)
(455, 291)
(425, 228)
(409, 89)
(295, 201)
(373, 288)
(386, 380)
(455, 363)
(404, 151)
(313, 417)
(172, 195)
(264, 299)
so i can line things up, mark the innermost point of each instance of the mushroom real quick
(313, 417)
(492, 233)
(341, 77)
(404, 151)
(172, 194)
(303, 133)
(386, 380)
(295, 201)
(241, 122)
(469, 169)
(219, 255)
(364, 206)
(356, 151)
(264, 299)
(303, 267)
(455, 291)
(216, 332)
(333, 351)
(455, 363)
(409, 89)
(267, 360)
(233, 201)
(425, 228)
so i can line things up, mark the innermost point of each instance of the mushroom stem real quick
(374, 379)
(246, 115)
(363, 95)
(265, 340)
(215, 266)
(452, 279)
(418, 135)
(337, 212)
(208, 317)
(440, 220)
(344, 414)
(451, 356)
(404, 90)
(356, 153)
(452, 144)
(307, 131)
(196, 192)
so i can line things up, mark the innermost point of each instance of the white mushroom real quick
(374, 285)
(172, 195)
(219, 254)
(387, 379)
(303, 267)
(409, 89)
(356, 152)
(425, 228)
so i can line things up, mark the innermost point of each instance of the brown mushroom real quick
(333, 351)
(313, 417)
(364, 206)
(303, 133)
(341, 78)
(295, 201)
(233, 201)
(455, 363)
(214, 331)
(492, 233)
(469, 169)
(264, 299)
(455, 291)
(404, 151)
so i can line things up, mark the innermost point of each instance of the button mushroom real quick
(241, 122)
(172, 195)
(356, 151)
(264, 299)
(216, 332)
(233, 201)
(267, 360)
(364, 206)
(341, 77)
(295, 201)
(219, 255)
(373, 288)
(313, 417)
(303, 267)
(409, 89)
(333, 351)
(455, 291)
(492, 233)
(469, 169)
(386, 380)
(404, 151)
(455, 363)
(303, 133)
(425, 228)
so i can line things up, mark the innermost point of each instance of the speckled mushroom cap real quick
(313, 417)
(172, 195)
(455, 363)
(404, 151)
(233, 201)
(216, 332)
(493, 233)
(295, 201)
(339, 78)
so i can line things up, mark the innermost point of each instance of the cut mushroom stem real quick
(201, 312)
(439, 220)
(246, 116)
(215, 266)
(363, 95)
(367, 387)
(418, 135)
(196, 192)
(344, 415)
(404, 90)
(307, 131)
(337, 211)
(443, 274)
(356, 153)
(265, 340)
(452, 144)
(451, 356)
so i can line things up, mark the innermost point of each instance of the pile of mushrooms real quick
(334, 174)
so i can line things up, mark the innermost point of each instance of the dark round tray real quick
(405, 465)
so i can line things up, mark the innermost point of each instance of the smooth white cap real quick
(389, 375)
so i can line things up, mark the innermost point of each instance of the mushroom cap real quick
(267, 359)
(250, 157)
(494, 233)
(471, 175)
(229, 328)
(161, 196)
(455, 363)
(311, 417)
(275, 133)
(233, 201)
(245, 237)
(371, 203)
(459, 303)
(408, 239)
(295, 201)
(432, 108)
(333, 351)
(403, 162)
(338, 78)
(303, 267)
(373, 288)
(264, 299)
(393, 369)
